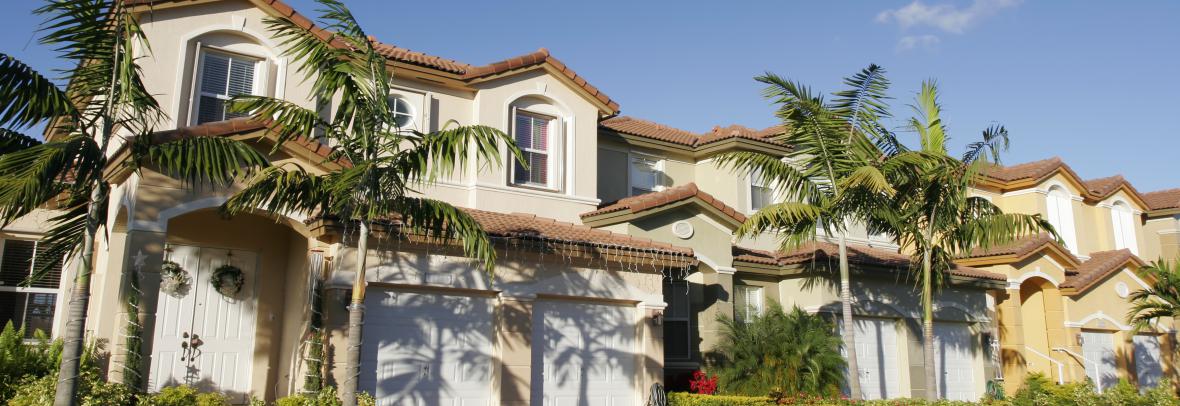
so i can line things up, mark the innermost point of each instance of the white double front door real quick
(203, 338)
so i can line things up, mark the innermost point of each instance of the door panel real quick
(587, 354)
(223, 326)
(954, 365)
(1148, 367)
(1098, 348)
(876, 352)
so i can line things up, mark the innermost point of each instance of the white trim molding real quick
(1098, 315)
(1016, 282)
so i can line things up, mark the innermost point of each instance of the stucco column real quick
(1011, 335)
(514, 336)
(144, 250)
(651, 327)
(718, 302)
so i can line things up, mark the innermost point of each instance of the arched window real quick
(1123, 219)
(224, 65)
(539, 130)
(1060, 211)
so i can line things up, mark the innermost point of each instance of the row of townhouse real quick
(616, 249)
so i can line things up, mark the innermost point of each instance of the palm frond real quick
(13, 141)
(34, 175)
(27, 97)
(64, 238)
(288, 120)
(442, 220)
(282, 190)
(202, 160)
(865, 102)
(442, 152)
(785, 178)
(928, 119)
(793, 222)
(995, 140)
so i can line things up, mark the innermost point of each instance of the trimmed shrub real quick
(693, 399)
(325, 397)
(790, 353)
(183, 396)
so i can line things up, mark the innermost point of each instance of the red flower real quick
(702, 383)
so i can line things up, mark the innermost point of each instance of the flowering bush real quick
(702, 383)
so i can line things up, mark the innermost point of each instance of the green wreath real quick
(228, 280)
(174, 280)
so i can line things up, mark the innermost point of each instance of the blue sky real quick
(1092, 82)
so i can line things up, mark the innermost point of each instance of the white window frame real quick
(1059, 210)
(195, 94)
(774, 197)
(756, 306)
(657, 167)
(555, 152)
(671, 315)
(57, 301)
(1122, 218)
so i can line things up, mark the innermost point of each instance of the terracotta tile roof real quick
(1100, 265)
(239, 126)
(644, 202)
(1018, 248)
(857, 254)
(656, 131)
(1027, 170)
(1102, 188)
(399, 54)
(649, 129)
(1162, 199)
(517, 225)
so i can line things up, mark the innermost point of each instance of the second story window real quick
(223, 76)
(1059, 206)
(645, 174)
(32, 307)
(1123, 219)
(536, 136)
(761, 192)
(748, 303)
(677, 321)
(403, 113)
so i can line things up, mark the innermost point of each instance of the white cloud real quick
(945, 17)
(911, 42)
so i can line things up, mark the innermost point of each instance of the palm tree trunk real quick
(71, 354)
(356, 316)
(849, 326)
(928, 328)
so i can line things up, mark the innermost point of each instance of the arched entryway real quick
(1043, 326)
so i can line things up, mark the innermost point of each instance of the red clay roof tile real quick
(660, 132)
(1163, 199)
(1100, 265)
(857, 254)
(644, 202)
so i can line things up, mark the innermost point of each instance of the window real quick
(1124, 227)
(677, 321)
(403, 113)
(645, 174)
(33, 306)
(748, 303)
(534, 136)
(761, 192)
(1060, 209)
(223, 76)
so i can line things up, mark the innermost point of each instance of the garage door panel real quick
(1148, 367)
(589, 353)
(1098, 348)
(954, 364)
(427, 349)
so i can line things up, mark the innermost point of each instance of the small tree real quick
(933, 215)
(381, 162)
(1160, 300)
(792, 352)
(105, 106)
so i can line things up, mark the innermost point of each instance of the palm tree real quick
(834, 170)
(381, 163)
(105, 106)
(1161, 299)
(933, 215)
(793, 352)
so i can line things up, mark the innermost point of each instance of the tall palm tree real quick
(834, 170)
(104, 106)
(933, 215)
(382, 162)
(1158, 301)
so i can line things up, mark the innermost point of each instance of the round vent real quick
(1122, 289)
(682, 229)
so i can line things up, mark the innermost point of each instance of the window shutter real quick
(17, 262)
(194, 93)
(741, 303)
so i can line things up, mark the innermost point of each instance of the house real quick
(616, 251)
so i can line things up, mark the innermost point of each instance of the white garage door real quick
(876, 356)
(1098, 348)
(588, 353)
(427, 349)
(1148, 368)
(953, 364)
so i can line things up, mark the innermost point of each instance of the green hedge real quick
(692, 399)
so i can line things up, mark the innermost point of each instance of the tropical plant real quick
(19, 359)
(794, 352)
(832, 174)
(933, 215)
(1159, 300)
(104, 107)
(39, 389)
(380, 161)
